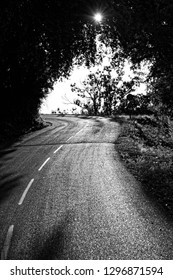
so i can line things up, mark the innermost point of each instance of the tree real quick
(101, 93)
(90, 92)
(39, 41)
(145, 30)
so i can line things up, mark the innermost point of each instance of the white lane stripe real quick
(25, 192)
(4, 252)
(79, 131)
(58, 149)
(69, 138)
(74, 135)
(44, 164)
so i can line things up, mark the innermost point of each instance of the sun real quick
(98, 17)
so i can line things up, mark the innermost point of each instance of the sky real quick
(62, 97)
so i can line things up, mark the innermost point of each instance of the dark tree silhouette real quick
(39, 40)
(145, 30)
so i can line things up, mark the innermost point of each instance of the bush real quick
(151, 163)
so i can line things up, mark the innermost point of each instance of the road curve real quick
(65, 194)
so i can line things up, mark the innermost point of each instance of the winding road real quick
(65, 194)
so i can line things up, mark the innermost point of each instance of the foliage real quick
(103, 94)
(105, 90)
(148, 159)
(160, 92)
(145, 30)
(136, 104)
(91, 92)
(39, 40)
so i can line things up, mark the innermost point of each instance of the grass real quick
(146, 147)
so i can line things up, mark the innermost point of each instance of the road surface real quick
(65, 194)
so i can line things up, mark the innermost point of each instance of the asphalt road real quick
(64, 194)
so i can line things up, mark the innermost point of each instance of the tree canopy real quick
(145, 30)
(41, 38)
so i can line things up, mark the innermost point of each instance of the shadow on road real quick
(53, 246)
(83, 117)
(8, 180)
(118, 119)
(158, 187)
(7, 185)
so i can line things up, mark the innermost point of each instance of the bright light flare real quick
(98, 17)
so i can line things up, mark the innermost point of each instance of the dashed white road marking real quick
(43, 164)
(58, 149)
(25, 192)
(79, 131)
(70, 138)
(4, 252)
(74, 135)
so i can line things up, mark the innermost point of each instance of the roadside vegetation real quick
(12, 131)
(146, 146)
